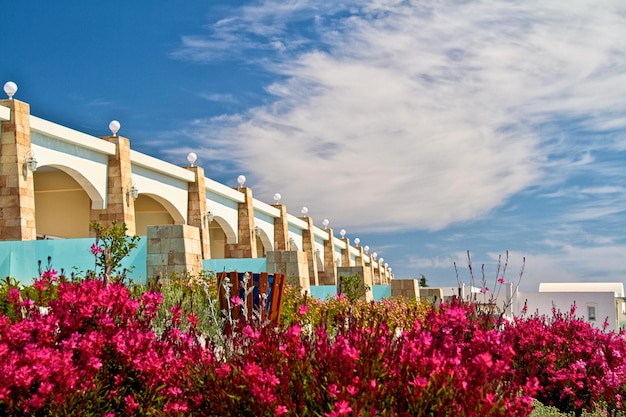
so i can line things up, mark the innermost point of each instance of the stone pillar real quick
(370, 268)
(120, 203)
(308, 246)
(17, 188)
(433, 295)
(380, 276)
(345, 253)
(329, 275)
(359, 260)
(293, 264)
(197, 208)
(406, 288)
(281, 229)
(246, 243)
(173, 249)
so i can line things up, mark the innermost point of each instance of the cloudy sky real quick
(425, 128)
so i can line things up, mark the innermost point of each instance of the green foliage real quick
(423, 281)
(540, 410)
(353, 287)
(111, 247)
(196, 298)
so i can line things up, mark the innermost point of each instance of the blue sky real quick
(425, 128)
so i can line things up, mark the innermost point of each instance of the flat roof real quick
(615, 287)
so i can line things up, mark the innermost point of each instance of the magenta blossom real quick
(96, 250)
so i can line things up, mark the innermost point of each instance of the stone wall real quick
(173, 249)
(293, 264)
(406, 288)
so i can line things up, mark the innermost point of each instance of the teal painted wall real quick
(326, 291)
(255, 265)
(18, 259)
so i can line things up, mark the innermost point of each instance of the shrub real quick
(578, 367)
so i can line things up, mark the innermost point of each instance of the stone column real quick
(407, 288)
(378, 274)
(345, 253)
(329, 275)
(281, 229)
(172, 249)
(293, 264)
(120, 203)
(246, 243)
(197, 208)
(359, 259)
(17, 188)
(308, 246)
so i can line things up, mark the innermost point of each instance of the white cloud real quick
(419, 115)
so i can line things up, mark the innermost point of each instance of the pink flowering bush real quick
(95, 347)
(578, 367)
(451, 364)
(90, 348)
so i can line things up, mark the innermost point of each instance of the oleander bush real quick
(96, 345)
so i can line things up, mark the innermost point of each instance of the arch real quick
(231, 236)
(56, 192)
(220, 234)
(98, 199)
(177, 217)
(263, 237)
(149, 211)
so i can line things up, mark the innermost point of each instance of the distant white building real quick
(596, 302)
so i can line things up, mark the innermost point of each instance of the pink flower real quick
(223, 370)
(176, 407)
(236, 301)
(280, 410)
(96, 250)
(176, 312)
(192, 319)
(131, 405)
(303, 309)
(342, 407)
(14, 295)
(501, 280)
(333, 391)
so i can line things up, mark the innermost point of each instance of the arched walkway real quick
(62, 205)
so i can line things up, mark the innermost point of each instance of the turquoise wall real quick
(326, 291)
(255, 265)
(18, 259)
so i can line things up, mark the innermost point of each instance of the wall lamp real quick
(325, 223)
(133, 192)
(357, 241)
(208, 217)
(30, 163)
